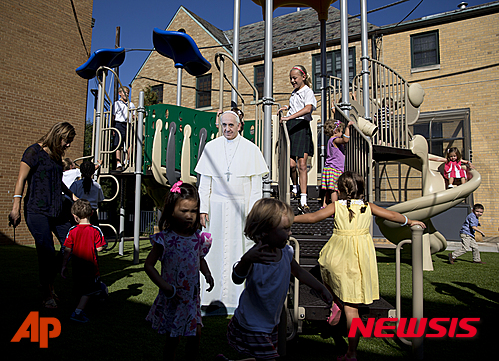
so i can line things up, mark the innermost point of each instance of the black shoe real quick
(304, 209)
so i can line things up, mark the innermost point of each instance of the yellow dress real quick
(348, 260)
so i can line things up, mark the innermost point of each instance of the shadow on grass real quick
(118, 329)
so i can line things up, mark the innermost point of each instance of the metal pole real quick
(417, 287)
(235, 51)
(121, 231)
(324, 110)
(99, 115)
(117, 69)
(365, 58)
(179, 86)
(268, 101)
(138, 178)
(345, 77)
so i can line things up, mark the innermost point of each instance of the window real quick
(203, 91)
(259, 76)
(158, 89)
(424, 50)
(333, 66)
(445, 129)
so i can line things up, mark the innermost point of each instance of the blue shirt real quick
(44, 194)
(267, 285)
(471, 221)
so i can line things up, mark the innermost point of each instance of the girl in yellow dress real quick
(348, 260)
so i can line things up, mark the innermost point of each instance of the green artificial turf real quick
(118, 331)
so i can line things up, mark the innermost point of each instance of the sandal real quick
(334, 318)
(50, 304)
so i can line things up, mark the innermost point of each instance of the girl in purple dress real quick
(180, 247)
(335, 160)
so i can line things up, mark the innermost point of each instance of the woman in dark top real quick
(41, 166)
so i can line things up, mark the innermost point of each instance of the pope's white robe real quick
(227, 204)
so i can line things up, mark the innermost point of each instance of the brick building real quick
(42, 43)
(458, 70)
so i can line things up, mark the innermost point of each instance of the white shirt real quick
(298, 100)
(120, 110)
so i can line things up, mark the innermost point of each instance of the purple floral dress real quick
(180, 267)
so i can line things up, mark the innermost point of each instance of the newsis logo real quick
(36, 328)
(434, 327)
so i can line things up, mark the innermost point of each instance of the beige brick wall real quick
(465, 46)
(41, 48)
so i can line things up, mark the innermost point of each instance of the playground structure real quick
(383, 109)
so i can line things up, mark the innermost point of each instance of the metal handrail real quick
(388, 104)
(417, 286)
(106, 128)
(361, 150)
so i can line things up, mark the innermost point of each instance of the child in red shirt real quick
(82, 244)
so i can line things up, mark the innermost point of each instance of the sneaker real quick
(118, 166)
(294, 195)
(81, 317)
(451, 260)
(450, 186)
(304, 209)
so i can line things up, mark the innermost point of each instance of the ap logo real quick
(37, 329)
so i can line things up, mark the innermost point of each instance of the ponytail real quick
(87, 171)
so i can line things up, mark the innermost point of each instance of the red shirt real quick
(84, 239)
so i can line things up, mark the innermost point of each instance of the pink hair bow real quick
(336, 124)
(176, 187)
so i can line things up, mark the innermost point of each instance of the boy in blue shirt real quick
(467, 233)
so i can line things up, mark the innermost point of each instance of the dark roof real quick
(445, 17)
(216, 32)
(300, 29)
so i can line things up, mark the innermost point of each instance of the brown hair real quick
(265, 216)
(67, 163)
(240, 114)
(187, 191)
(478, 206)
(303, 71)
(331, 125)
(52, 140)
(454, 150)
(351, 186)
(81, 208)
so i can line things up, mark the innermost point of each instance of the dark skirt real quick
(300, 137)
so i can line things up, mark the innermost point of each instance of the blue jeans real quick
(41, 228)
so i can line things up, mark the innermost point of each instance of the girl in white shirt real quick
(301, 105)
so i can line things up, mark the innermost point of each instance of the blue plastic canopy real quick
(182, 49)
(110, 58)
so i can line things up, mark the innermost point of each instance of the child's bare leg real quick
(451, 181)
(293, 170)
(351, 312)
(83, 302)
(302, 169)
(192, 345)
(170, 349)
(463, 180)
